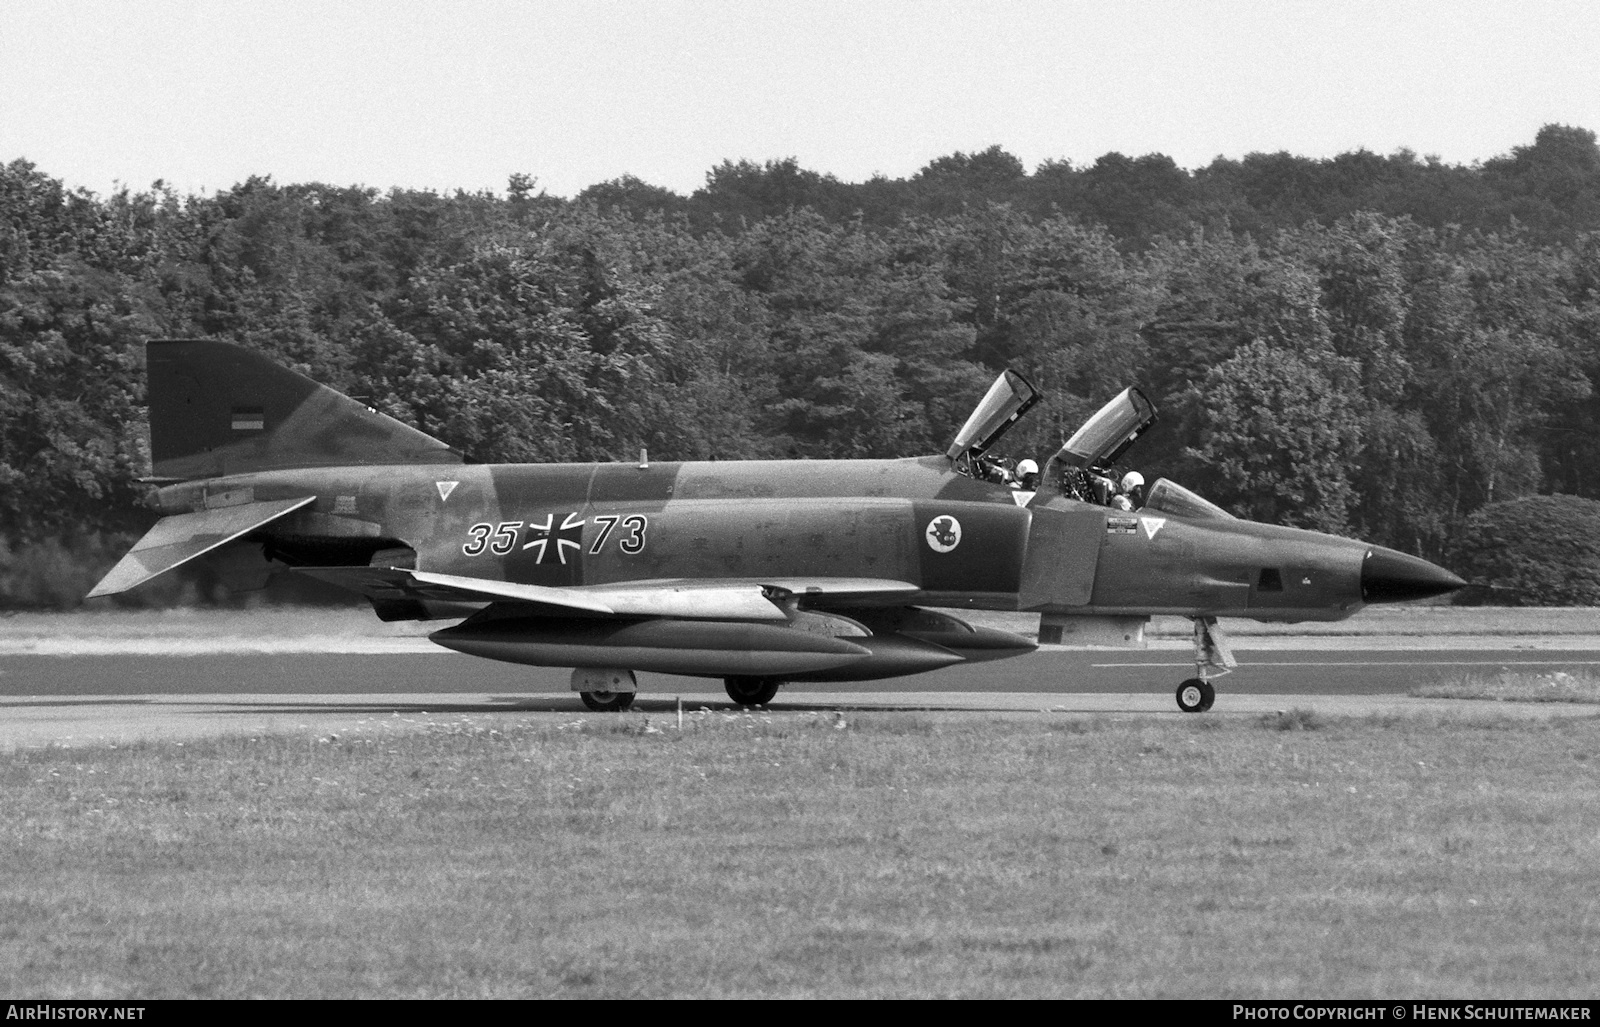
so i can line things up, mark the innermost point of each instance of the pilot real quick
(1027, 476)
(1131, 491)
(1103, 489)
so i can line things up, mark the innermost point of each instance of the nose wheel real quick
(1196, 695)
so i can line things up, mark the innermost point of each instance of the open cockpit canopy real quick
(1107, 435)
(1007, 400)
(1086, 458)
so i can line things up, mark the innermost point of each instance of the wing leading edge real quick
(677, 598)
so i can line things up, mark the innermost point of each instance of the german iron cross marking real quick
(539, 536)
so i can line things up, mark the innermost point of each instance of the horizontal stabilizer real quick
(701, 600)
(180, 538)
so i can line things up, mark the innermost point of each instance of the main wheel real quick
(751, 691)
(1196, 696)
(607, 702)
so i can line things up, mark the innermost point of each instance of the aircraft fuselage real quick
(963, 542)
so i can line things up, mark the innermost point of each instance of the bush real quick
(1539, 551)
(52, 575)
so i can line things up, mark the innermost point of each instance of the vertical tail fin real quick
(217, 408)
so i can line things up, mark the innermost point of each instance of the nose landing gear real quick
(1196, 695)
(1212, 657)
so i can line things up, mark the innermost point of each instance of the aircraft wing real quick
(180, 538)
(679, 597)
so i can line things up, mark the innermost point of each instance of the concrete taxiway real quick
(83, 694)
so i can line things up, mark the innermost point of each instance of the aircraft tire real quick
(607, 702)
(751, 691)
(1196, 695)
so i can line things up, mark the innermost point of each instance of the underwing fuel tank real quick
(972, 643)
(813, 647)
(710, 648)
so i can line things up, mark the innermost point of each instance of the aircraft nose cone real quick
(1391, 577)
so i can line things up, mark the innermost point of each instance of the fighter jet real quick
(757, 572)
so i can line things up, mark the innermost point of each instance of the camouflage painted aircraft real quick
(756, 572)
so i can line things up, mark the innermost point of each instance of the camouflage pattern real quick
(590, 524)
(637, 565)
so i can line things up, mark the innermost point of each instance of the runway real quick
(74, 700)
(1051, 671)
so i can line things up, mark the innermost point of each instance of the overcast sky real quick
(462, 94)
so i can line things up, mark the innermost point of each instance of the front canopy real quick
(1006, 401)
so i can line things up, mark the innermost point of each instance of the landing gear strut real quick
(751, 691)
(1211, 657)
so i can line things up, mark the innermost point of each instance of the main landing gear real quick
(751, 691)
(605, 689)
(607, 702)
(1211, 657)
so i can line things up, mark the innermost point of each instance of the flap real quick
(685, 598)
(180, 538)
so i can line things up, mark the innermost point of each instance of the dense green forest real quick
(1378, 345)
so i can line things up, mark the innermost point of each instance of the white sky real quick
(460, 95)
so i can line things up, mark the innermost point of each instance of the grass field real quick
(1513, 686)
(890, 854)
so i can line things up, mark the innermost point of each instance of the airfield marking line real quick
(1375, 663)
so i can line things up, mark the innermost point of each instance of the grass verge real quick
(1512, 686)
(887, 854)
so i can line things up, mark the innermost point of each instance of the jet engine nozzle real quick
(1388, 576)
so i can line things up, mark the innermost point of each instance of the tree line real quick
(1370, 345)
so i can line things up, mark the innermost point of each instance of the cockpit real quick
(1084, 468)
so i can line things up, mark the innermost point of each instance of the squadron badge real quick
(943, 534)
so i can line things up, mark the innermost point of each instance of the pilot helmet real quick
(1132, 480)
(1026, 468)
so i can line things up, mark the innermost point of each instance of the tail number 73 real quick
(632, 540)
